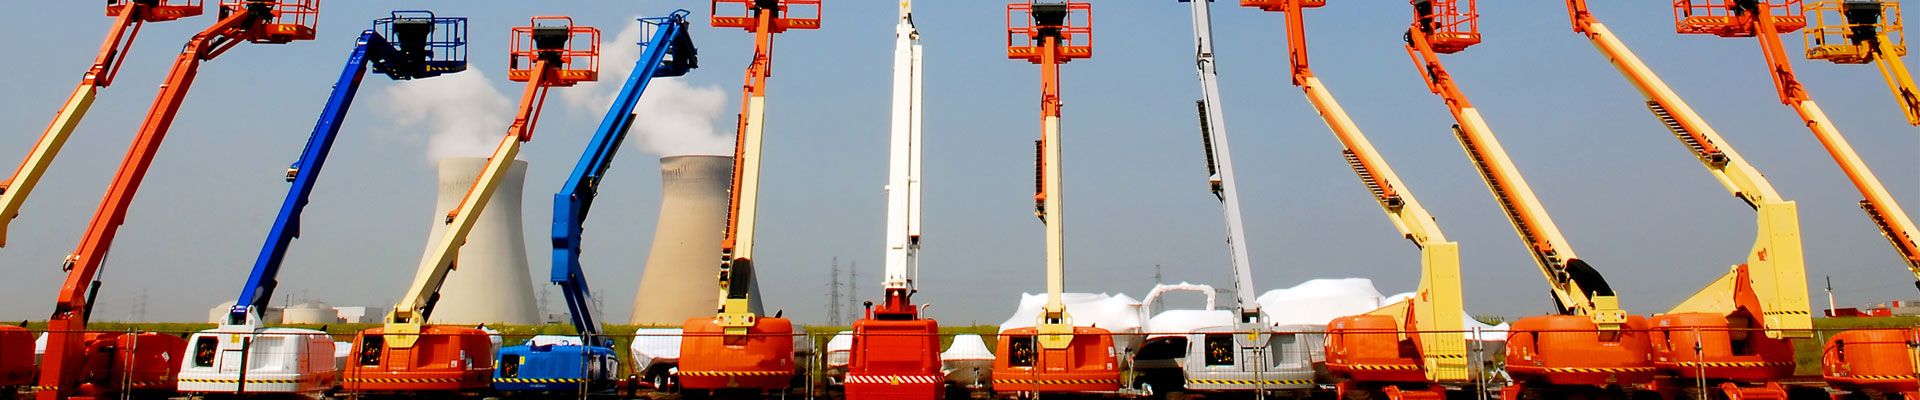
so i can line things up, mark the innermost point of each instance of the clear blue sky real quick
(1629, 198)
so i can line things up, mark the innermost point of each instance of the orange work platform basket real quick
(573, 52)
(761, 360)
(1695, 345)
(1879, 360)
(1843, 32)
(1029, 25)
(16, 357)
(291, 19)
(787, 14)
(1087, 365)
(442, 359)
(1451, 25)
(895, 359)
(1571, 350)
(1368, 348)
(1281, 5)
(1729, 18)
(158, 10)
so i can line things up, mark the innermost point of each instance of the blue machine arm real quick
(422, 53)
(571, 203)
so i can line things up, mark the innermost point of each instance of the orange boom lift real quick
(1407, 350)
(83, 365)
(1054, 356)
(129, 16)
(1736, 333)
(736, 349)
(1861, 360)
(1592, 347)
(408, 356)
(1863, 31)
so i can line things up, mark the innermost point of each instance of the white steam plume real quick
(463, 113)
(673, 117)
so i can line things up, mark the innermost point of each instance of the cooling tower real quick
(491, 283)
(680, 280)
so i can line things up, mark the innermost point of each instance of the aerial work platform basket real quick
(433, 45)
(788, 14)
(555, 40)
(158, 10)
(1279, 5)
(288, 20)
(1028, 24)
(1451, 25)
(1731, 18)
(1844, 31)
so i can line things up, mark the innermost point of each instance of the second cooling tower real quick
(491, 283)
(681, 280)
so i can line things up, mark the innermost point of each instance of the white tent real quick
(840, 350)
(1116, 313)
(967, 361)
(655, 346)
(1319, 301)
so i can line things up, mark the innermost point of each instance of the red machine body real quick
(1368, 348)
(446, 359)
(1873, 360)
(16, 357)
(760, 360)
(896, 355)
(1020, 365)
(1571, 350)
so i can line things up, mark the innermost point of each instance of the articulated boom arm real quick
(1775, 272)
(1049, 33)
(903, 174)
(669, 52)
(129, 17)
(408, 58)
(1577, 287)
(1878, 203)
(1438, 306)
(259, 22)
(1213, 131)
(736, 247)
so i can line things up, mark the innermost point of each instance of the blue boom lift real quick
(407, 45)
(590, 363)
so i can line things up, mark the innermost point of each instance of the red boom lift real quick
(406, 355)
(89, 365)
(1054, 357)
(129, 16)
(736, 349)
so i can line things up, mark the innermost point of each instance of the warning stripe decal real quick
(1384, 367)
(1600, 370)
(420, 380)
(1692, 364)
(895, 379)
(735, 373)
(267, 381)
(1011, 381)
(538, 380)
(1276, 382)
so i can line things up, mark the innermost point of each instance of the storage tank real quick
(493, 283)
(312, 312)
(680, 280)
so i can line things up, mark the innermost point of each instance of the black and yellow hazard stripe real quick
(407, 380)
(1384, 367)
(1251, 382)
(1734, 364)
(1886, 377)
(537, 380)
(1614, 370)
(135, 385)
(1015, 381)
(735, 373)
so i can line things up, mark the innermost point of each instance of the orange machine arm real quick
(128, 20)
(60, 369)
(736, 313)
(1878, 203)
(1578, 288)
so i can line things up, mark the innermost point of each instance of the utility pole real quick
(853, 286)
(833, 296)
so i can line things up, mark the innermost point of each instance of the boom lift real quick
(409, 355)
(1736, 333)
(1410, 349)
(1855, 360)
(736, 349)
(1054, 356)
(1863, 31)
(291, 360)
(1591, 346)
(592, 363)
(83, 365)
(896, 352)
(1244, 356)
(129, 17)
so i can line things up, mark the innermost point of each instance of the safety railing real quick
(1843, 31)
(442, 39)
(790, 14)
(1454, 24)
(1281, 5)
(292, 19)
(1728, 18)
(1075, 32)
(555, 39)
(1286, 361)
(160, 10)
